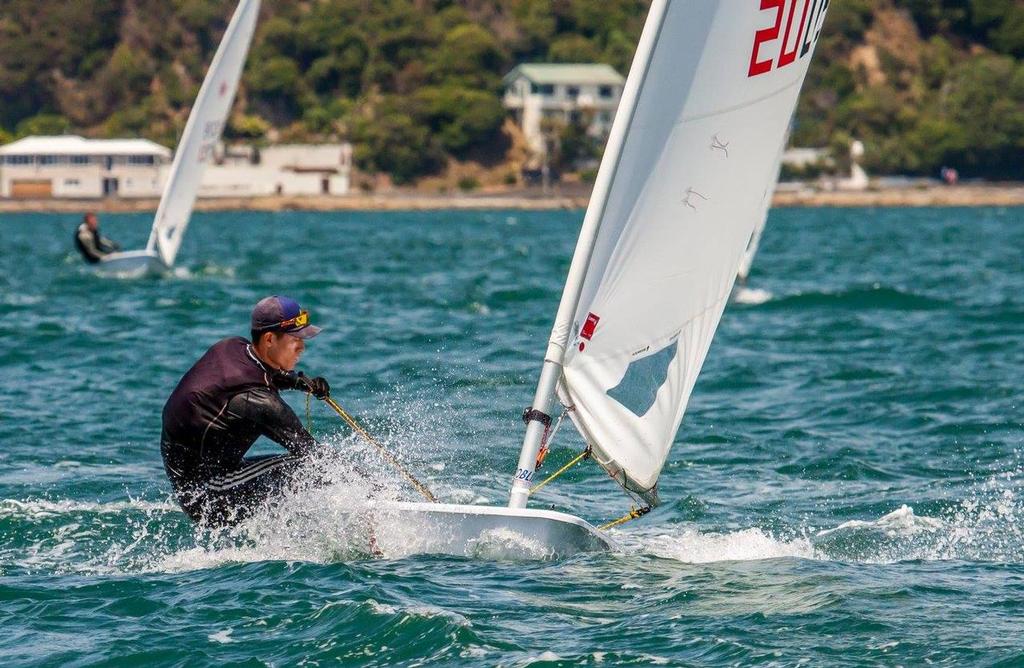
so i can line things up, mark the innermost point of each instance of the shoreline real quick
(929, 196)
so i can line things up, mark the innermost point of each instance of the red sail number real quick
(815, 9)
(766, 35)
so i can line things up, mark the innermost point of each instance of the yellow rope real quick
(420, 487)
(634, 513)
(584, 455)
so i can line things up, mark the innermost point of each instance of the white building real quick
(286, 169)
(76, 168)
(69, 166)
(562, 92)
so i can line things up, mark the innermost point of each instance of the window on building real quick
(572, 92)
(19, 160)
(72, 182)
(80, 160)
(605, 91)
(542, 89)
(47, 160)
(141, 160)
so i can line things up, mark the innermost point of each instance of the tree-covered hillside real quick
(416, 83)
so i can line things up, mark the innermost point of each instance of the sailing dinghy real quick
(202, 132)
(689, 166)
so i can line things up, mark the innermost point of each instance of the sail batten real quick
(685, 191)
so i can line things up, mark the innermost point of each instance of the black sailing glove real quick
(291, 380)
(319, 386)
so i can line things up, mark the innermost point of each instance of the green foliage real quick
(278, 76)
(5, 137)
(127, 121)
(573, 49)
(575, 146)
(847, 22)
(471, 56)
(940, 16)
(392, 141)
(986, 101)
(129, 72)
(43, 124)
(1008, 36)
(244, 126)
(468, 184)
(460, 118)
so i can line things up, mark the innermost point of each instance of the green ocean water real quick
(845, 490)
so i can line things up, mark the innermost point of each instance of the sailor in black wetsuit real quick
(90, 243)
(228, 400)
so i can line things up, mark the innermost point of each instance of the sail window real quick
(643, 378)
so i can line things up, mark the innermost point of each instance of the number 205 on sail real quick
(802, 18)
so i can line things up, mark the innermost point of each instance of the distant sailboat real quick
(747, 262)
(741, 293)
(203, 130)
(689, 166)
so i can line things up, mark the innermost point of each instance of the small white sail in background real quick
(747, 262)
(677, 200)
(202, 132)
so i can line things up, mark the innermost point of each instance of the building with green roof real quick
(561, 94)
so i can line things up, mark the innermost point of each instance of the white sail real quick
(747, 261)
(690, 165)
(202, 132)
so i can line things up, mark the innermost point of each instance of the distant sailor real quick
(91, 244)
(227, 400)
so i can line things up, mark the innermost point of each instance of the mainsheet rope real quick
(356, 427)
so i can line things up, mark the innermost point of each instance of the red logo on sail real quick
(587, 332)
(588, 328)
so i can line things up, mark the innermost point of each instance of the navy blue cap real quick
(281, 314)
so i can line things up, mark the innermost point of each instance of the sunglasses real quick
(291, 324)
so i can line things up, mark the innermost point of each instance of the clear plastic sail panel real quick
(713, 97)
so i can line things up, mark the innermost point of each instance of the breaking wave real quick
(751, 296)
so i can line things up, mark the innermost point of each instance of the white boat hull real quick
(483, 531)
(132, 264)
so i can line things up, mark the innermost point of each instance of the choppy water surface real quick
(846, 489)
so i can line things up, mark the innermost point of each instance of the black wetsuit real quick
(224, 403)
(92, 245)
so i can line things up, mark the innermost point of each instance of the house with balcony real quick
(562, 93)
(74, 167)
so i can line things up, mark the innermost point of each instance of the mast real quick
(562, 329)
